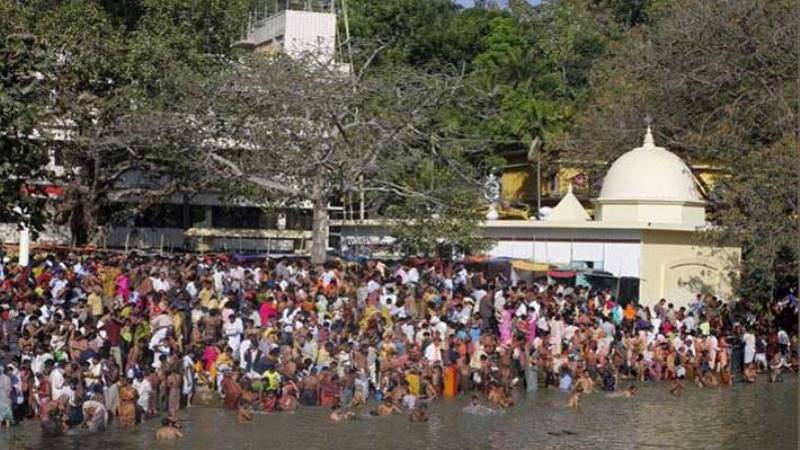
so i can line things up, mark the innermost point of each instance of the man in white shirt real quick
(233, 328)
(191, 289)
(39, 360)
(439, 327)
(373, 285)
(749, 340)
(219, 278)
(690, 323)
(413, 275)
(145, 389)
(57, 285)
(398, 310)
(157, 345)
(461, 277)
(237, 273)
(407, 328)
(56, 381)
(462, 313)
(521, 311)
(499, 304)
(402, 275)
(159, 283)
(389, 298)
(432, 352)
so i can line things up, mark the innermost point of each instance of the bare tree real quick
(306, 130)
(114, 155)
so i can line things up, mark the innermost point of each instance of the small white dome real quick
(650, 173)
(569, 209)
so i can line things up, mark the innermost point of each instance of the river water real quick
(763, 416)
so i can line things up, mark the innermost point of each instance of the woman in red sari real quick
(231, 390)
(329, 394)
(42, 395)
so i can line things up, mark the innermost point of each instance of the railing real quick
(163, 239)
(261, 10)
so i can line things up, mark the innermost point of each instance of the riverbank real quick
(737, 417)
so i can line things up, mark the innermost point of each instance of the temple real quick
(645, 234)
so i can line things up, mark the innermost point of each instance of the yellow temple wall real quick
(676, 266)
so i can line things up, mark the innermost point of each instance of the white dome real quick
(650, 173)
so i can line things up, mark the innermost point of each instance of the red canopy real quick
(561, 274)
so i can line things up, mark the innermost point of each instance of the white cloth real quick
(432, 353)
(233, 331)
(749, 347)
(145, 389)
(56, 384)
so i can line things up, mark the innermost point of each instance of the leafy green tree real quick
(720, 81)
(401, 28)
(25, 78)
(442, 219)
(120, 67)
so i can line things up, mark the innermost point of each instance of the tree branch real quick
(272, 185)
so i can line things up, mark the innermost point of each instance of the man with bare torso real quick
(309, 389)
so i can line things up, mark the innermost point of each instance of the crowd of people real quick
(85, 339)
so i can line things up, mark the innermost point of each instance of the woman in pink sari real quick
(210, 355)
(533, 325)
(123, 286)
(506, 325)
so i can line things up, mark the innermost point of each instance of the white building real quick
(294, 33)
(646, 226)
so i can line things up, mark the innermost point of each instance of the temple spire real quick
(648, 137)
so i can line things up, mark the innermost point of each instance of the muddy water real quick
(764, 416)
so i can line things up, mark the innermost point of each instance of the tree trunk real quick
(319, 228)
(73, 215)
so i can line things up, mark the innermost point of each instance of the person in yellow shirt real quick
(96, 301)
(413, 380)
(223, 364)
(369, 311)
(324, 357)
(109, 276)
(206, 295)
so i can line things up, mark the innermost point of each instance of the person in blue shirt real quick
(565, 383)
(475, 330)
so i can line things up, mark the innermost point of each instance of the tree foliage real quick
(24, 95)
(138, 83)
(718, 78)
(301, 129)
(119, 64)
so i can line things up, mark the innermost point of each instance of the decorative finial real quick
(648, 137)
(569, 189)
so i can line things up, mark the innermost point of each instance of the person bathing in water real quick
(339, 415)
(475, 407)
(630, 392)
(676, 388)
(387, 408)
(244, 414)
(575, 397)
(169, 430)
(627, 393)
(420, 414)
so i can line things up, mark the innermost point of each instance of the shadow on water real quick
(764, 416)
